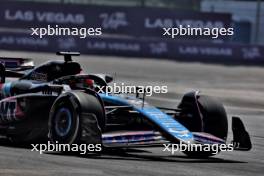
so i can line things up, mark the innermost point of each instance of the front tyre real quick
(213, 121)
(214, 116)
(68, 116)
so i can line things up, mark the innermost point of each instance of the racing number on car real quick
(7, 111)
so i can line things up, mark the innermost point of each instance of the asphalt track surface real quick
(240, 88)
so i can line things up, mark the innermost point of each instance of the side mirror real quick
(108, 78)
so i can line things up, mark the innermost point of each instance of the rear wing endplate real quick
(14, 67)
(17, 64)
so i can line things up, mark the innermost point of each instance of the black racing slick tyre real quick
(68, 115)
(214, 116)
(214, 121)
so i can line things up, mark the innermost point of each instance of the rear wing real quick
(14, 67)
(16, 64)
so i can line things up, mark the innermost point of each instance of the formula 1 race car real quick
(56, 101)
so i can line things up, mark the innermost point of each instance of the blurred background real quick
(133, 28)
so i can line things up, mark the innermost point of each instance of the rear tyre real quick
(67, 116)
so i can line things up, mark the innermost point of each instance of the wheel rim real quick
(63, 121)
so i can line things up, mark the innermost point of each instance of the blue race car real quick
(56, 102)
